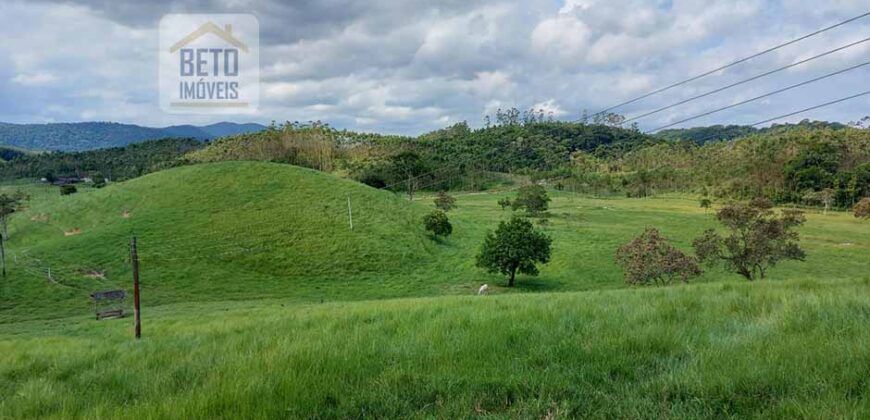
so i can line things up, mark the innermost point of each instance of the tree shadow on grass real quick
(535, 284)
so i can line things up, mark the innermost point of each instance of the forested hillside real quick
(513, 146)
(814, 166)
(716, 133)
(811, 163)
(117, 163)
(97, 135)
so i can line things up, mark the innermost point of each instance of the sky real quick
(408, 67)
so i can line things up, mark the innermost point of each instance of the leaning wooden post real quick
(134, 258)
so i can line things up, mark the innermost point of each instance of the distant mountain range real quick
(99, 135)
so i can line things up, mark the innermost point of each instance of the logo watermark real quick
(209, 63)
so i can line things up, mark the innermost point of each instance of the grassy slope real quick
(239, 230)
(773, 349)
(291, 224)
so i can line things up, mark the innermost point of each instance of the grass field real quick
(259, 301)
(775, 349)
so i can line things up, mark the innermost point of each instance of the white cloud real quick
(35, 79)
(409, 67)
(550, 108)
(563, 38)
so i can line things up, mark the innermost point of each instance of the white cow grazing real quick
(483, 289)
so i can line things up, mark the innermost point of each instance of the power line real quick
(775, 92)
(744, 81)
(867, 92)
(425, 174)
(742, 60)
(779, 117)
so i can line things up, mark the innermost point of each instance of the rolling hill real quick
(97, 135)
(206, 232)
(257, 230)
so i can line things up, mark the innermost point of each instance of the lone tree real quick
(706, 203)
(759, 238)
(651, 259)
(9, 204)
(437, 223)
(533, 198)
(515, 246)
(862, 209)
(444, 201)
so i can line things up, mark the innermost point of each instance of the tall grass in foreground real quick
(770, 349)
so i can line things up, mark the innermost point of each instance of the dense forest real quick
(116, 164)
(813, 166)
(714, 133)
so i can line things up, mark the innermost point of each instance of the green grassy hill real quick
(248, 230)
(238, 230)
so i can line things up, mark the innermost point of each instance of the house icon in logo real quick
(209, 27)
(209, 63)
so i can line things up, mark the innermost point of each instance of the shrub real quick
(505, 203)
(437, 223)
(68, 189)
(444, 201)
(98, 180)
(862, 209)
(651, 259)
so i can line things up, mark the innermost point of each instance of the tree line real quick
(116, 163)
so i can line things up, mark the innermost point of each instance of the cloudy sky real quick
(408, 67)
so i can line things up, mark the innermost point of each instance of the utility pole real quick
(134, 259)
(349, 212)
(3, 252)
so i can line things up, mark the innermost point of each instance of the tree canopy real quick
(758, 239)
(515, 246)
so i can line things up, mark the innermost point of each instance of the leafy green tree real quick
(9, 204)
(706, 203)
(68, 189)
(758, 239)
(813, 169)
(515, 246)
(438, 223)
(651, 259)
(533, 198)
(862, 209)
(444, 201)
